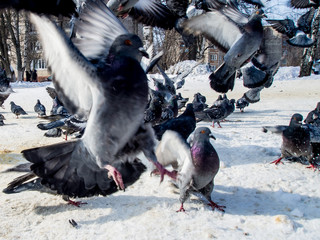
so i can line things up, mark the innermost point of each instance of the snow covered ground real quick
(263, 201)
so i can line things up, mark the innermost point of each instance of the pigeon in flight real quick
(196, 166)
(234, 33)
(95, 74)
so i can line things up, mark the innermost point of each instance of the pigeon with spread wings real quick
(95, 75)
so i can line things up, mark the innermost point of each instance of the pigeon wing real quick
(216, 27)
(71, 69)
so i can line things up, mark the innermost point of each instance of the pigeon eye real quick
(203, 131)
(128, 42)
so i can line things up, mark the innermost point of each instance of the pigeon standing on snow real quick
(17, 110)
(296, 142)
(196, 166)
(95, 75)
(40, 109)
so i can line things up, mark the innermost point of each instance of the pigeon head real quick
(203, 132)
(129, 45)
(296, 120)
(12, 103)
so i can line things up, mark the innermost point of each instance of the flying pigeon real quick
(305, 3)
(196, 166)
(297, 34)
(296, 142)
(184, 124)
(17, 110)
(237, 35)
(130, 171)
(40, 109)
(95, 75)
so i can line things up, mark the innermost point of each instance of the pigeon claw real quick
(162, 171)
(313, 166)
(76, 203)
(277, 161)
(214, 206)
(181, 209)
(116, 176)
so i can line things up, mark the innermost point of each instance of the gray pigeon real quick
(17, 110)
(1, 119)
(313, 117)
(95, 75)
(296, 142)
(5, 89)
(196, 166)
(234, 33)
(40, 109)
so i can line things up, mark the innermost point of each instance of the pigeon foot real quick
(162, 171)
(181, 209)
(277, 161)
(214, 206)
(76, 203)
(116, 176)
(313, 166)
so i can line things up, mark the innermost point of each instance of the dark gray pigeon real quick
(40, 109)
(313, 117)
(241, 103)
(196, 166)
(297, 36)
(1, 119)
(184, 124)
(131, 171)
(296, 142)
(17, 110)
(305, 3)
(234, 33)
(95, 75)
(5, 88)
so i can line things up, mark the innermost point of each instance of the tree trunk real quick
(309, 53)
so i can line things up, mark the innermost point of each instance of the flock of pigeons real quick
(97, 68)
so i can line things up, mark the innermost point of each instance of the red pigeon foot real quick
(116, 176)
(214, 206)
(76, 203)
(277, 161)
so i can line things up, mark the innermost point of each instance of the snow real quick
(263, 201)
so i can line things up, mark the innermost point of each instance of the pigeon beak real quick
(211, 136)
(143, 52)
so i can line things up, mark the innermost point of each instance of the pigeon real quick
(50, 7)
(217, 113)
(296, 142)
(17, 110)
(196, 166)
(237, 35)
(313, 117)
(5, 89)
(181, 101)
(131, 171)
(199, 102)
(297, 34)
(168, 83)
(40, 109)
(241, 103)
(305, 3)
(1, 119)
(95, 75)
(69, 124)
(54, 132)
(184, 124)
